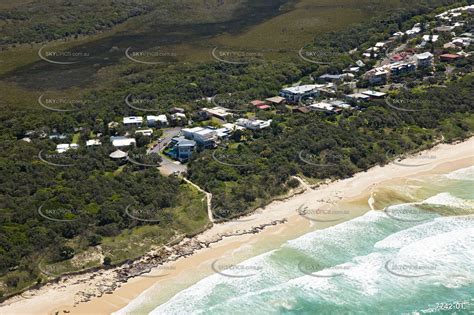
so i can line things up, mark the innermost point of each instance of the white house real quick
(161, 120)
(424, 60)
(253, 124)
(431, 38)
(63, 147)
(322, 106)
(295, 93)
(178, 116)
(145, 132)
(133, 121)
(93, 142)
(203, 136)
(119, 142)
(232, 127)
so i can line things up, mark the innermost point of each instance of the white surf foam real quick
(462, 174)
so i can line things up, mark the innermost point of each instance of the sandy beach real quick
(312, 208)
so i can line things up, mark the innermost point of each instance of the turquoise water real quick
(413, 258)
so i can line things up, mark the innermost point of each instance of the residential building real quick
(276, 100)
(253, 124)
(145, 132)
(178, 116)
(63, 147)
(302, 109)
(175, 110)
(400, 68)
(133, 121)
(340, 104)
(322, 106)
(118, 155)
(444, 29)
(120, 141)
(264, 107)
(57, 136)
(93, 142)
(257, 103)
(218, 111)
(424, 60)
(377, 76)
(160, 120)
(181, 148)
(358, 97)
(374, 94)
(431, 38)
(332, 77)
(450, 57)
(232, 127)
(204, 137)
(295, 93)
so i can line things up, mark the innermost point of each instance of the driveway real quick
(168, 166)
(168, 134)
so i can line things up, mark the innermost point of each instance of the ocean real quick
(413, 253)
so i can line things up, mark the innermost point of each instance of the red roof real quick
(450, 56)
(257, 103)
(263, 107)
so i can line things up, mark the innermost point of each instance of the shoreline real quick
(109, 290)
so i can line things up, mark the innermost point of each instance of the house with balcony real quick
(204, 137)
(181, 148)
